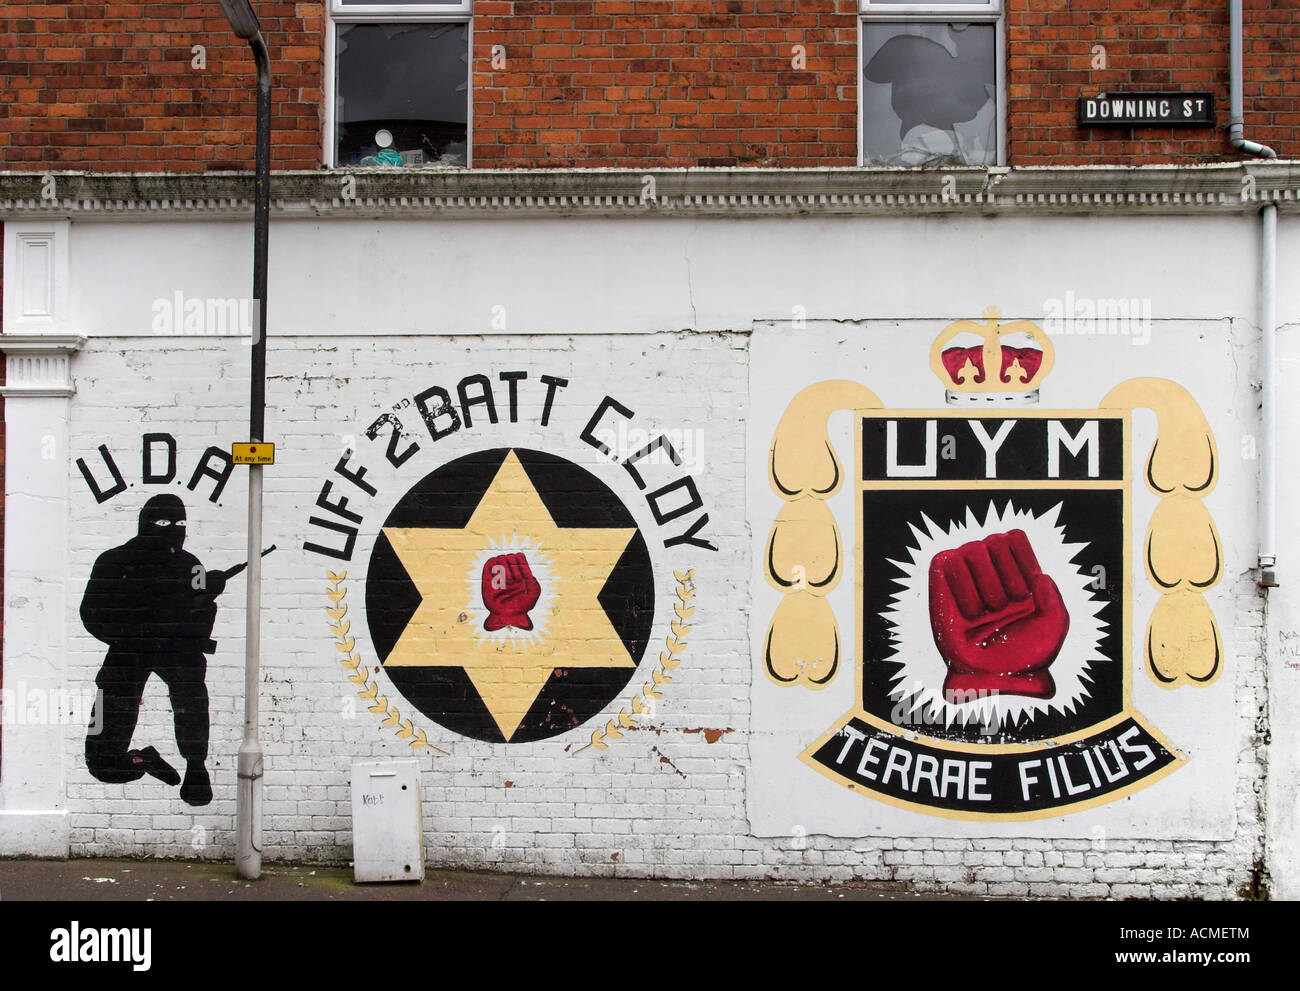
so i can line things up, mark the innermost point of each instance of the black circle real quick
(575, 498)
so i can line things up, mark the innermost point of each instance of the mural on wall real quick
(509, 594)
(994, 598)
(141, 600)
(154, 604)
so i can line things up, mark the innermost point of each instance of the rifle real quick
(211, 645)
(231, 572)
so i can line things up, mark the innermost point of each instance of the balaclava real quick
(163, 518)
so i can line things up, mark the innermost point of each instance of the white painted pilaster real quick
(33, 800)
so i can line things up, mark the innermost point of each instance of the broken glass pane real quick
(929, 94)
(410, 80)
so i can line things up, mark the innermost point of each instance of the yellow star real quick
(447, 631)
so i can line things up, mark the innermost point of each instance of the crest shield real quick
(994, 576)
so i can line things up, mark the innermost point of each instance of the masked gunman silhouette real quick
(154, 605)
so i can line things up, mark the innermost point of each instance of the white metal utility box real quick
(387, 824)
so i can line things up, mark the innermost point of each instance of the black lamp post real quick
(248, 809)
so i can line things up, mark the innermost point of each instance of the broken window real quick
(930, 85)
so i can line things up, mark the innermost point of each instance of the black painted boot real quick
(151, 762)
(197, 789)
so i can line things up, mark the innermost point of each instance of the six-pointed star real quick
(445, 632)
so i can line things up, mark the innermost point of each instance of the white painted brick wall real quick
(661, 803)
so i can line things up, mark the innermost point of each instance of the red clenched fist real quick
(509, 591)
(998, 621)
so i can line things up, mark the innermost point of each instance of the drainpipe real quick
(1267, 297)
(1237, 117)
(1267, 398)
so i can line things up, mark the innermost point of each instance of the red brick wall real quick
(111, 87)
(616, 82)
(690, 82)
(1164, 45)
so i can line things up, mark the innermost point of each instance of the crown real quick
(993, 373)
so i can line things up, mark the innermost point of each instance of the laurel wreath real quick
(369, 688)
(668, 659)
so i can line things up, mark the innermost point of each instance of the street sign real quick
(1146, 109)
(260, 453)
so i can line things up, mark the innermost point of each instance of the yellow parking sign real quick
(260, 453)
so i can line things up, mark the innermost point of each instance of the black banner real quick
(898, 769)
(985, 448)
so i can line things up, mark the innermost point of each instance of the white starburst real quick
(917, 688)
(540, 614)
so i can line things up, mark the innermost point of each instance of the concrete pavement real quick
(174, 880)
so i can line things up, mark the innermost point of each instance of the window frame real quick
(989, 12)
(339, 12)
(985, 10)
